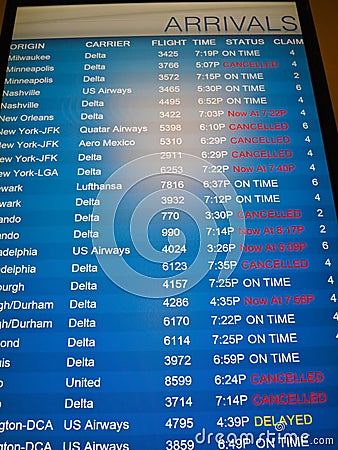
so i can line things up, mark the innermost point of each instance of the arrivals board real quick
(168, 231)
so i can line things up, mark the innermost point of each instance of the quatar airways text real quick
(214, 24)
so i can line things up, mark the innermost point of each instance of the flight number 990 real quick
(170, 232)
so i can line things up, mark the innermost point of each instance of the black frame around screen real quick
(317, 72)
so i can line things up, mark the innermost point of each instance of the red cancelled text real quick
(275, 264)
(309, 398)
(287, 378)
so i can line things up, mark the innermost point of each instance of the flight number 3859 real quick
(180, 444)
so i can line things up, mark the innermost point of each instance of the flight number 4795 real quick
(179, 423)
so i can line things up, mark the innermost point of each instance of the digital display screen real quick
(168, 235)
